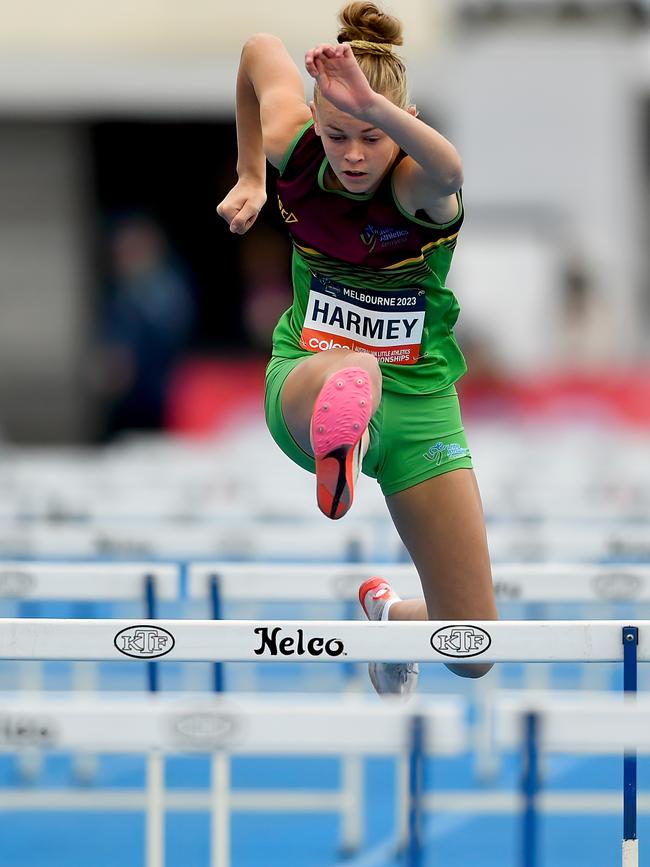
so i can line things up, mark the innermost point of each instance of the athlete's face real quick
(358, 153)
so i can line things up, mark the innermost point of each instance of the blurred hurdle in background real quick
(236, 500)
(281, 536)
(241, 477)
(223, 726)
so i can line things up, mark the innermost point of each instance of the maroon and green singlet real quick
(367, 275)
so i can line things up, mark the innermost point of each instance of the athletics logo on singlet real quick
(387, 324)
(386, 237)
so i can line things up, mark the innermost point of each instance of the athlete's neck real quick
(331, 181)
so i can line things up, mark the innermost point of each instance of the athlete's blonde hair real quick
(372, 35)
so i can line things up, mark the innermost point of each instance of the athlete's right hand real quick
(242, 205)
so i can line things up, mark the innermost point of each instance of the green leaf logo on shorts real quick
(445, 451)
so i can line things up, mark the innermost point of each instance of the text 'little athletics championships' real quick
(388, 324)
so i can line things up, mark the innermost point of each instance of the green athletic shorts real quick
(413, 437)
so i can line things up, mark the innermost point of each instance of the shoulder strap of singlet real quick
(294, 143)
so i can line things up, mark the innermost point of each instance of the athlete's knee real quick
(365, 360)
(347, 358)
(469, 669)
(370, 364)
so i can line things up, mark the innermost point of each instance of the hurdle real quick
(225, 726)
(336, 582)
(125, 480)
(537, 722)
(307, 537)
(221, 582)
(292, 581)
(318, 641)
(531, 584)
(88, 581)
(325, 641)
(225, 582)
(240, 538)
(143, 582)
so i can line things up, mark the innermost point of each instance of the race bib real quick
(386, 324)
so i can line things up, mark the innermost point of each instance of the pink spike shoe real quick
(341, 415)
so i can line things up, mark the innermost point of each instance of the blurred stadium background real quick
(118, 141)
(134, 331)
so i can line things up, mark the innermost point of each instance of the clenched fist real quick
(242, 205)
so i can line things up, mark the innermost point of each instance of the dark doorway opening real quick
(175, 172)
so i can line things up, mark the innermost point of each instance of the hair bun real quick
(367, 23)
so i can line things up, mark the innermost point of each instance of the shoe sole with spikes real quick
(341, 415)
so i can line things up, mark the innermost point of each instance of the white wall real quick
(547, 123)
(43, 296)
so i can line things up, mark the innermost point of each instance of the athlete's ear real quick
(412, 110)
(314, 114)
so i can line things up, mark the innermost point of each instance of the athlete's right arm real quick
(271, 108)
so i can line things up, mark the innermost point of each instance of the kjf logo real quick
(203, 730)
(144, 642)
(618, 586)
(461, 640)
(15, 584)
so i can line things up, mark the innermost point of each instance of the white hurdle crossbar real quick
(174, 540)
(86, 581)
(224, 726)
(319, 641)
(244, 582)
(332, 582)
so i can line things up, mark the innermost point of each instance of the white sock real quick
(365, 442)
(386, 609)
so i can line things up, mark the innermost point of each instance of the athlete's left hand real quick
(340, 79)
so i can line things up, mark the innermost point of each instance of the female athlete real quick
(364, 361)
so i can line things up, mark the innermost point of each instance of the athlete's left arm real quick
(431, 175)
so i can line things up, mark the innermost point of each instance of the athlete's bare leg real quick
(441, 524)
(305, 381)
